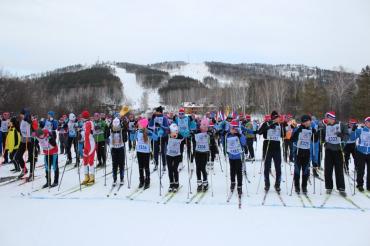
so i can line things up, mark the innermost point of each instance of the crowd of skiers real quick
(163, 137)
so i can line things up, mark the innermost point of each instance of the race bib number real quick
(233, 145)
(202, 142)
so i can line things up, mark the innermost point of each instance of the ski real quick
(133, 193)
(8, 178)
(193, 197)
(325, 200)
(365, 194)
(353, 203)
(119, 187)
(264, 198)
(111, 190)
(281, 199)
(201, 197)
(172, 195)
(230, 196)
(301, 199)
(82, 188)
(309, 200)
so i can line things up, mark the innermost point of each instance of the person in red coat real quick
(89, 149)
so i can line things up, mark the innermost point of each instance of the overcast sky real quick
(39, 35)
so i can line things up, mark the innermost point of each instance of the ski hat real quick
(289, 116)
(102, 115)
(182, 110)
(234, 123)
(247, 117)
(367, 119)
(143, 123)
(72, 117)
(204, 122)
(305, 118)
(174, 127)
(211, 124)
(13, 120)
(6, 115)
(330, 115)
(159, 109)
(42, 133)
(274, 115)
(96, 115)
(51, 114)
(267, 117)
(353, 121)
(85, 114)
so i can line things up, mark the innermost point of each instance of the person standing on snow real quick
(173, 156)
(99, 136)
(350, 145)
(333, 134)
(89, 148)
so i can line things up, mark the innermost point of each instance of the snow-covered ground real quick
(196, 71)
(133, 91)
(90, 217)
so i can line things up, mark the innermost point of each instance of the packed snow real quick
(89, 217)
(196, 71)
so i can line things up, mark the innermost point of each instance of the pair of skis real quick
(239, 199)
(114, 189)
(197, 197)
(278, 194)
(349, 200)
(169, 196)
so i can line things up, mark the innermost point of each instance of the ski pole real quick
(160, 165)
(189, 179)
(33, 162)
(61, 179)
(263, 160)
(225, 150)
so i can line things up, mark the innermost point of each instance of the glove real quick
(339, 134)
(157, 125)
(160, 132)
(185, 133)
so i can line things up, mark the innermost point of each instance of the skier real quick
(202, 143)
(363, 155)
(302, 137)
(51, 124)
(99, 136)
(72, 137)
(89, 148)
(50, 150)
(183, 123)
(333, 134)
(131, 131)
(13, 141)
(143, 148)
(250, 137)
(289, 124)
(4, 132)
(273, 133)
(173, 155)
(159, 125)
(350, 145)
(63, 135)
(118, 152)
(235, 141)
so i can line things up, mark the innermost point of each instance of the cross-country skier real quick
(50, 150)
(13, 140)
(363, 155)
(89, 146)
(350, 145)
(72, 137)
(100, 127)
(273, 133)
(173, 155)
(235, 142)
(4, 131)
(333, 134)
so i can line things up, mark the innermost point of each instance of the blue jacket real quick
(159, 125)
(243, 142)
(362, 149)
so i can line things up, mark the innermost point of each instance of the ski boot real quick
(199, 186)
(146, 183)
(56, 178)
(68, 162)
(171, 188)
(304, 190)
(86, 180)
(329, 191)
(91, 179)
(232, 187)
(297, 189)
(267, 188)
(277, 188)
(175, 187)
(205, 186)
(114, 183)
(360, 188)
(342, 192)
(155, 168)
(240, 190)
(141, 184)
(48, 180)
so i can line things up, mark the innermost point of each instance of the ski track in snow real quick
(133, 91)
(90, 218)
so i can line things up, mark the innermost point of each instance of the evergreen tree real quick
(361, 100)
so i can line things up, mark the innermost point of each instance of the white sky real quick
(39, 35)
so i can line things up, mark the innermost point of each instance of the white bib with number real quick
(4, 126)
(274, 134)
(202, 142)
(25, 129)
(142, 146)
(304, 139)
(173, 147)
(364, 139)
(183, 123)
(331, 134)
(233, 145)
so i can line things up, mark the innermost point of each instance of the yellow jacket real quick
(13, 140)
